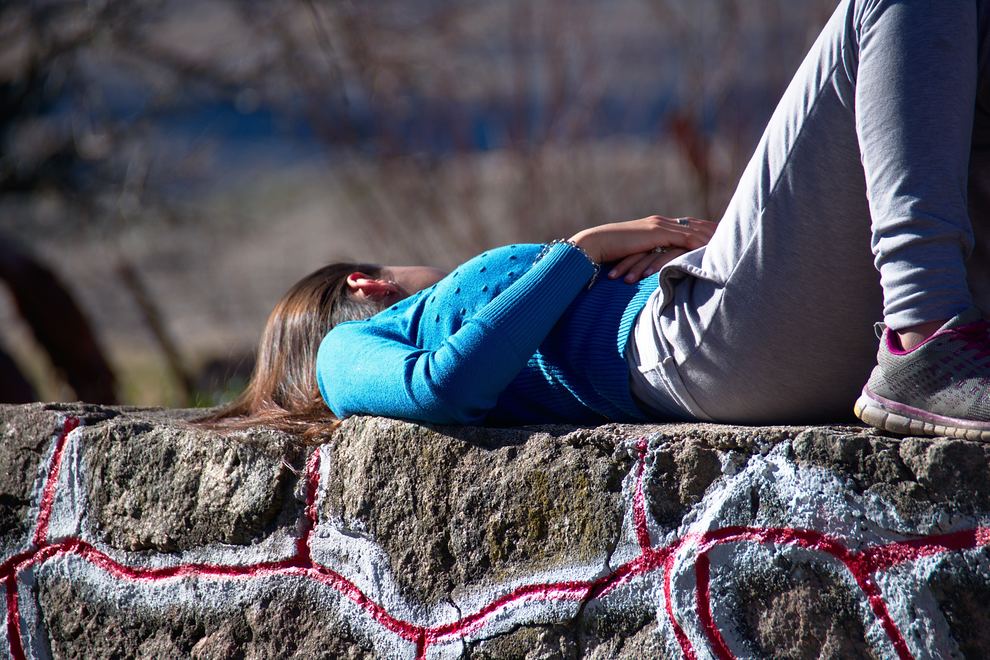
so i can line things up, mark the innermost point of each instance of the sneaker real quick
(942, 387)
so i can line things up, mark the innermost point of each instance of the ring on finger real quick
(683, 221)
(659, 250)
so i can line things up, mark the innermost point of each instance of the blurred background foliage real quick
(169, 167)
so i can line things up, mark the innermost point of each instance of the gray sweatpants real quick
(864, 166)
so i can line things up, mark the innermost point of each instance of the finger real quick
(655, 262)
(690, 233)
(703, 227)
(684, 225)
(623, 266)
(689, 225)
(672, 254)
(634, 263)
(638, 267)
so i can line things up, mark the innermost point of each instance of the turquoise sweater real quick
(500, 340)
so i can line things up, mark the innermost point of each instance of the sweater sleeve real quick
(364, 369)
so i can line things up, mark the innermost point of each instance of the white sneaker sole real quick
(905, 420)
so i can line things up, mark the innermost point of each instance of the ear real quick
(366, 287)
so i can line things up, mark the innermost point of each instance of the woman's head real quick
(284, 373)
(282, 391)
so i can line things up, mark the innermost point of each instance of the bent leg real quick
(915, 100)
(772, 321)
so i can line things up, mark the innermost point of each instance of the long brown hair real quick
(282, 392)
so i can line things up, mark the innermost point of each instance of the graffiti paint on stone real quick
(692, 579)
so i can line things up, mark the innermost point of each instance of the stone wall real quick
(129, 533)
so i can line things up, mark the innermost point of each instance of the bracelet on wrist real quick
(566, 241)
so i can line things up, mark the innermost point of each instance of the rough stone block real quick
(138, 535)
(284, 621)
(454, 509)
(168, 487)
(789, 608)
(26, 437)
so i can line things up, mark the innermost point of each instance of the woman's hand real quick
(632, 243)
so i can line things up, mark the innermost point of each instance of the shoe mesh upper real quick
(949, 375)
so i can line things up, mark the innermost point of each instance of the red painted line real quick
(348, 589)
(668, 596)
(639, 500)
(8, 570)
(13, 619)
(879, 607)
(649, 560)
(805, 538)
(883, 557)
(858, 565)
(9, 566)
(553, 591)
(51, 483)
(165, 573)
(40, 556)
(311, 514)
(862, 564)
(290, 567)
(982, 536)
(645, 563)
(702, 572)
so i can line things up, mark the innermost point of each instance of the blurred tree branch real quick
(452, 126)
(57, 322)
